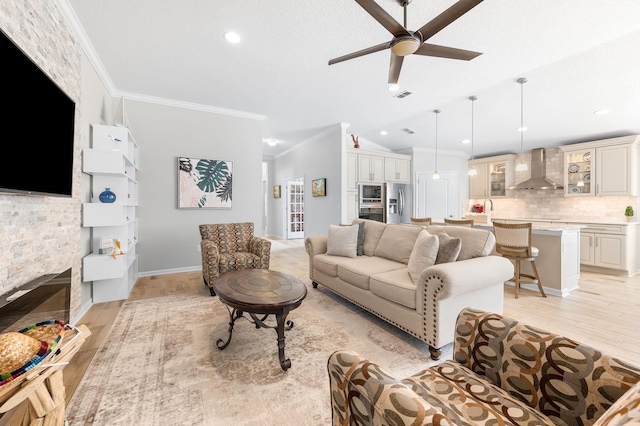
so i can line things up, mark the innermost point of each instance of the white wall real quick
(168, 236)
(423, 160)
(320, 157)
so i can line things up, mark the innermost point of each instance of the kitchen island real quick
(558, 261)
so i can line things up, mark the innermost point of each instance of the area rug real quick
(159, 364)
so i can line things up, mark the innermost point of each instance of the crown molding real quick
(89, 50)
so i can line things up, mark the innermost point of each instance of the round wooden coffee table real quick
(260, 293)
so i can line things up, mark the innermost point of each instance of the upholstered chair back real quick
(229, 237)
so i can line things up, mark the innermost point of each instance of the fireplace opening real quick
(44, 298)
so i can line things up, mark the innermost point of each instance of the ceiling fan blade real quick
(458, 9)
(362, 52)
(427, 49)
(381, 15)
(394, 68)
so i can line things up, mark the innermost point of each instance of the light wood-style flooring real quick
(603, 313)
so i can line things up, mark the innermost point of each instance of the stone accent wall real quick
(543, 204)
(41, 235)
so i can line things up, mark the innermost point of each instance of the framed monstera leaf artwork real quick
(204, 184)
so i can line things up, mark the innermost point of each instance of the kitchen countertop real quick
(542, 228)
(555, 228)
(567, 221)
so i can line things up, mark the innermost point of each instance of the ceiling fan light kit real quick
(405, 42)
(405, 45)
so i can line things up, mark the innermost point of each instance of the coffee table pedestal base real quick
(281, 325)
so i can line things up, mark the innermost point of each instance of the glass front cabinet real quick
(578, 171)
(494, 176)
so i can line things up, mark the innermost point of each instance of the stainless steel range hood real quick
(538, 178)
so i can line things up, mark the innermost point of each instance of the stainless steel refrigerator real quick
(398, 203)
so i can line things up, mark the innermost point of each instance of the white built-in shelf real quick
(112, 162)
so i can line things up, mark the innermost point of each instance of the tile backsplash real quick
(552, 204)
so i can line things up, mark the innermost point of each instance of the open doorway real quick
(295, 208)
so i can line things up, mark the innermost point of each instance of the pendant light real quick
(436, 175)
(472, 169)
(521, 166)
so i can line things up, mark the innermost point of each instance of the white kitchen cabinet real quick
(352, 171)
(397, 170)
(494, 176)
(377, 167)
(609, 248)
(601, 168)
(579, 168)
(112, 162)
(479, 183)
(616, 170)
(370, 168)
(352, 206)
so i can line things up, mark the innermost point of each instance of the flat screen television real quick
(41, 117)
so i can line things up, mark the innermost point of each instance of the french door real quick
(295, 208)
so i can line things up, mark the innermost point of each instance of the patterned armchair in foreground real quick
(229, 247)
(502, 373)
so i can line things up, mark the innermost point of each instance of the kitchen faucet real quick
(484, 206)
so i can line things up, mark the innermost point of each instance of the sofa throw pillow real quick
(449, 248)
(423, 255)
(343, 240)
(360, 247)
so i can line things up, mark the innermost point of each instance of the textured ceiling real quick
(579, 56)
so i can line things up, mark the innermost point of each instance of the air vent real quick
(403, 94)
(408, 130)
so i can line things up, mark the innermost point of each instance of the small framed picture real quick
(276, 191)
(318, 187)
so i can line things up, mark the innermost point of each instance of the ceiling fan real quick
(405, 42)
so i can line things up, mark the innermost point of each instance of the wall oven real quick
(372, 212)
(371, 202)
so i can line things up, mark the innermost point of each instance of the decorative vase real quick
(107, 196)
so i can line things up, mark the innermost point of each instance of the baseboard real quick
(169, 271)
(547, 290)
(73, 321)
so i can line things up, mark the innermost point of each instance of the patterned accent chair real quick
(231, 247)
(502, 373)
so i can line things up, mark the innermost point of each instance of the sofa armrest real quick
(362, 392)
(261, 247)
(315, 245)
(570, 382)
(464, 276)
(210, 261)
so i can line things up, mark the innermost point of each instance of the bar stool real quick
(421, 221)
(458, 222)
(513, 241)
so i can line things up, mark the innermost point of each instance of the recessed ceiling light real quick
(383, 132)
(393, 87)
(465, 141)
(232, 37)
(601, 112)
(271, 142)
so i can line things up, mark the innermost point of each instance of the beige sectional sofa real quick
(416, 278)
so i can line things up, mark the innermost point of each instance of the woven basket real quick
(23, 350)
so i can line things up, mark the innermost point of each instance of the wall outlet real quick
(198, 248)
